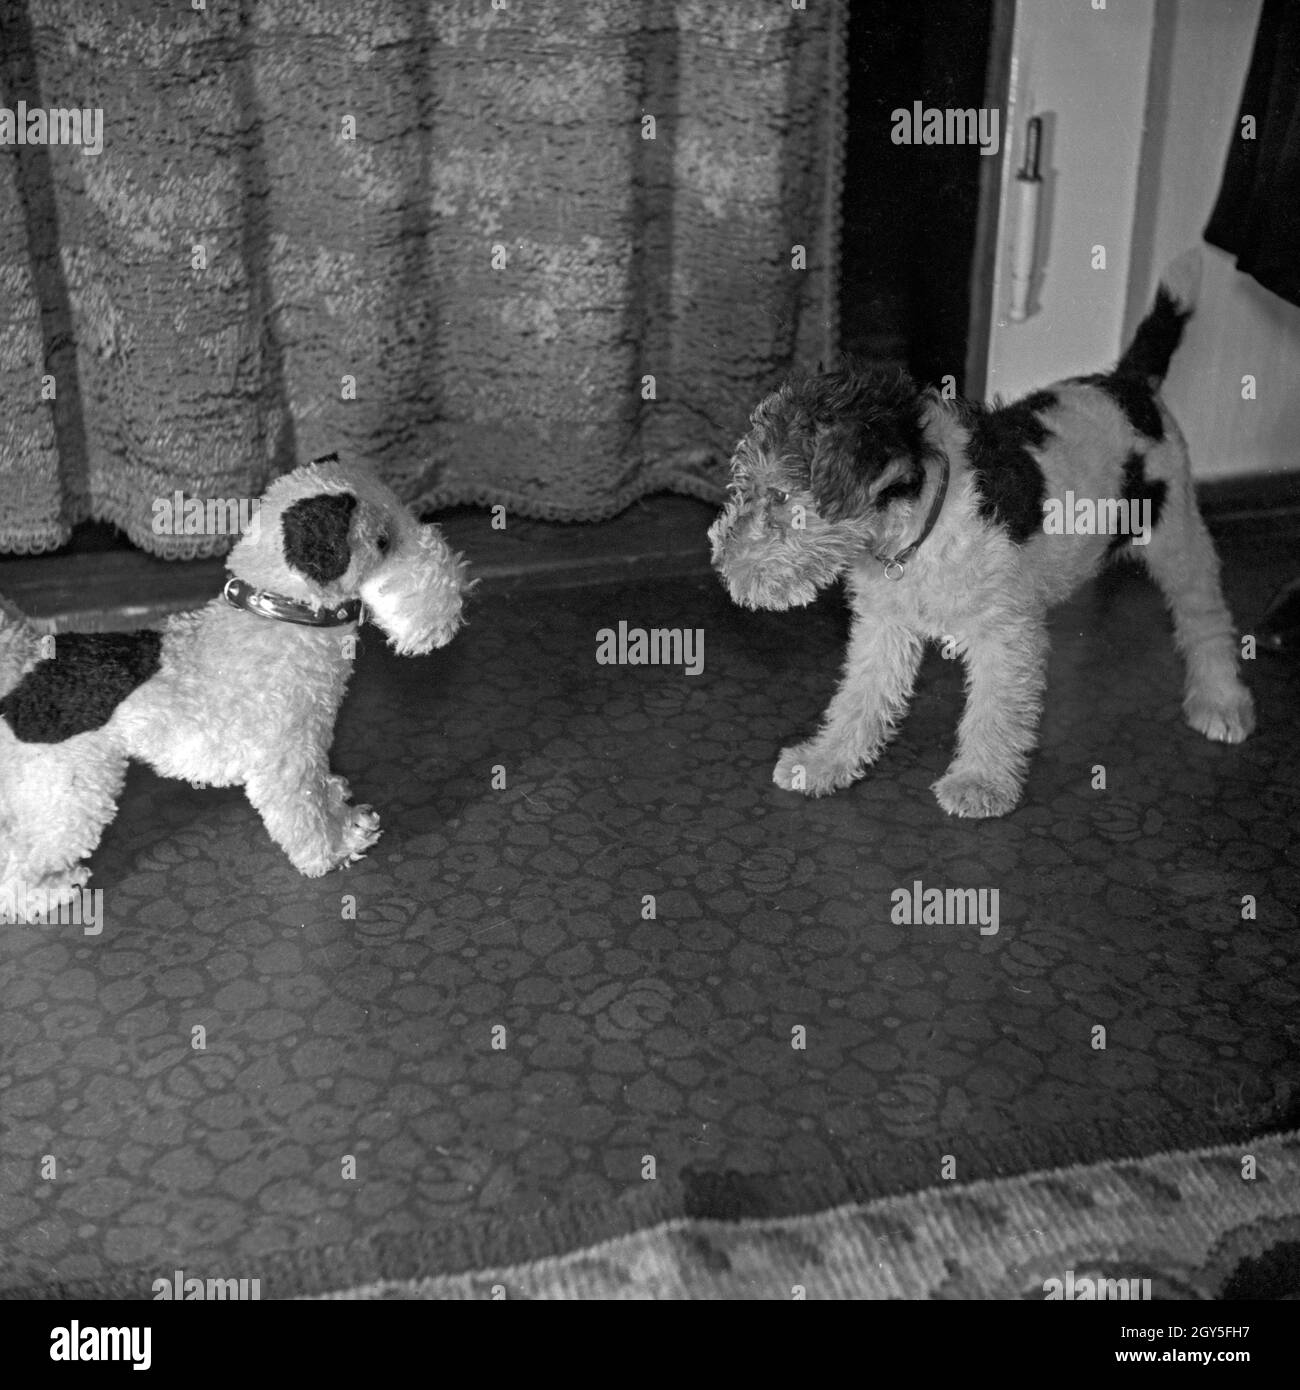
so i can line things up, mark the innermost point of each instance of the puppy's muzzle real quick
(761, 565)
(417, 594)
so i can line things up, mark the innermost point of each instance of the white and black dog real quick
(940, 515)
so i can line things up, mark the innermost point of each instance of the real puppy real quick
(934, 514)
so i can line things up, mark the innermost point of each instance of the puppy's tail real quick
(20, 646)
(1159, 334)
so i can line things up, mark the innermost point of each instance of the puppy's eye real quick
(777, 496)
(384, 543)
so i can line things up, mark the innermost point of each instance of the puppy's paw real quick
(978, 797)
(361, 831)
(1228, 718)
(809, 769)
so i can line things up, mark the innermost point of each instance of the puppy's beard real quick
(416, 599)
(751, 589)
(777, 584)
(774, 570)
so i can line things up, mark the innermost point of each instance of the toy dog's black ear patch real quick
(867, 428)
(79, 687)
(316, 535)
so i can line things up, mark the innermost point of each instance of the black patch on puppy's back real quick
(1135, 397)
(1139, 488)
(316, 535)
(1007, 476)
(78, 688)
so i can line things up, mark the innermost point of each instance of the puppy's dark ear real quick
(847, 462)
(316, 535)
(868, 445)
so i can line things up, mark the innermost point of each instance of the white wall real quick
(1144, 98)
(1240, 327)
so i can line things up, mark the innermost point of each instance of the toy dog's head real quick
(328, 533)
(832, 465)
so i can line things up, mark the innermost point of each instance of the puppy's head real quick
(329, 532)
(832, 465)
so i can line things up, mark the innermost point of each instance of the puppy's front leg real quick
(879, 672)
(1006, 671)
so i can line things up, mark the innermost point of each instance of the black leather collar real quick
(288, 610)
(896, 564)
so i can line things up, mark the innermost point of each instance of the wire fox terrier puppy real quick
(242, 692)
(963, 523)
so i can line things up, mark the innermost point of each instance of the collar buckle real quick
(895, 566)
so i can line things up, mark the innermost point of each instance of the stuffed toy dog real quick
(242, 692)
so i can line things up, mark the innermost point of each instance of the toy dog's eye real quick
(777, 496)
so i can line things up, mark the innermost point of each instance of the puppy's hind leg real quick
(879, 672)
(1006, 672)
(1181, 559)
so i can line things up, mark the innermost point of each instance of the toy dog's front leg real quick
(305, 810)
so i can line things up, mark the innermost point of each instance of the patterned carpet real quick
(333, 1042)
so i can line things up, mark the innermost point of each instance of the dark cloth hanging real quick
(1257, 216)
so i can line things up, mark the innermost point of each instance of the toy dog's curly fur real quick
(222, 696)
(840, 472)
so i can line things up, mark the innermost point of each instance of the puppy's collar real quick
(288, 610)
(895, 565)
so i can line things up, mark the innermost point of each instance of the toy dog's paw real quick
(337, 789)
(806, 768)
(975, 796)
(43, 901)
(361, 831)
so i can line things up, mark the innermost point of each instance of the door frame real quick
(997, 87)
